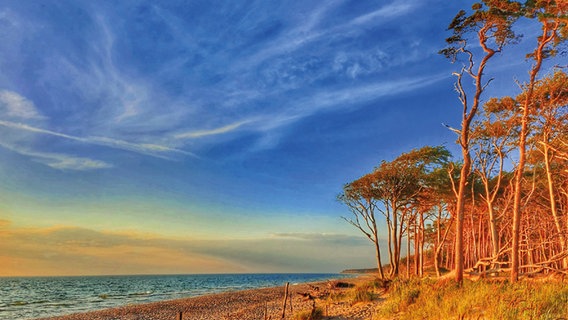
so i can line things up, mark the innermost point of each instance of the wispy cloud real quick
(65, 162)
(204, 92)
(155, 150)
(13, 105)
(308, 33)
(390, 11)
(216, 131)
(367, 92)
(17, 107)
(351, 97)
(60, 161)
(151, 149)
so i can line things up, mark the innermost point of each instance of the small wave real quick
(21, 303)
(60, 304)
(140, 294)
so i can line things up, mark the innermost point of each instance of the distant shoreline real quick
(360, 271)
(236, 305)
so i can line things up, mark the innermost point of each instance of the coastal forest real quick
(500, 207)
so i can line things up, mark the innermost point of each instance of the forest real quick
(501, 206)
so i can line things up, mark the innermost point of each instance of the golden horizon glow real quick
(71, 251)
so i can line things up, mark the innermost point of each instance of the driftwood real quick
(540, 266)
(307, 295)
(315, 293)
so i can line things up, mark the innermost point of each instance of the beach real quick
(255, 304)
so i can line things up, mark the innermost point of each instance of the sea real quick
(35, 297)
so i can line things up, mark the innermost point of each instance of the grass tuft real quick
(367, 291)
(362, 294)
(429, 299)
(315, 314)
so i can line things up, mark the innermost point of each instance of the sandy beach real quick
(254, 304)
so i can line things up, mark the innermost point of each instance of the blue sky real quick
(179, 125)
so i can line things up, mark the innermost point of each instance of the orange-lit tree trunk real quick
(551, 96)
(490, 28)
(493, 136)
(549, 33)
(440, 239)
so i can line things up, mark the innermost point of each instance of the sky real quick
(145, 137)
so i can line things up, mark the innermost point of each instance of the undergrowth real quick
(431, 299)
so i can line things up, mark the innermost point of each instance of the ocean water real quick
(34, 297)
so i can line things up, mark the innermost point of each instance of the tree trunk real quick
(547, 36)
(416, 247)
(459, 247)
(408, 257)
(517, 197)
(378, 256)
(553, 208)
(438, 244)
(395, 259)
(421, 255)
(494, 235)
(390, 242)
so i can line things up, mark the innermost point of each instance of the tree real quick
(491, 22)
(492, 136)
(550, 104)
(395, 186)
(358, 196)
(393, 189)
(430, 164)
(553, 18)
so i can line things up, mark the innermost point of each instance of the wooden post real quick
(179, 315)
(285, 299)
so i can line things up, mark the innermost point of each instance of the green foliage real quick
(315, 314)
(428, 299)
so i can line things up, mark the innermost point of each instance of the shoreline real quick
(234, 305)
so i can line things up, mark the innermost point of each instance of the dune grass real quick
(364, 292)
(431, 299)
(315, 314)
